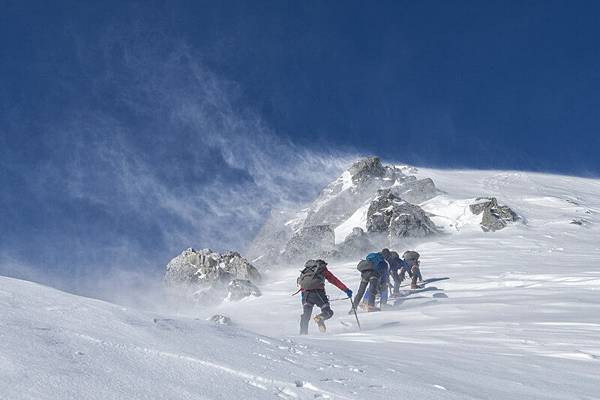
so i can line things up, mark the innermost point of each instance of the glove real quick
(349, 293)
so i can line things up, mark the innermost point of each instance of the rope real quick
(339, 299)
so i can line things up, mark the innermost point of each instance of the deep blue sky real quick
(121, 119)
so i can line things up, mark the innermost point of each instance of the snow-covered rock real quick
(208, 274)
(220, 319)
(396, 218)
(411, 209)
(359, 184)
(367, 169)
(241, 288)
(495, 217)
(342, 206)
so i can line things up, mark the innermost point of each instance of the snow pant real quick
(311, 298)
(397, 279)
(370, 279)
(415, 275)
(381, 289)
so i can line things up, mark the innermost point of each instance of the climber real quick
(374, 274)
(397, 266)
(411, 259)
(312, 286)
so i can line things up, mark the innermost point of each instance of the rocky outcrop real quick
(310, 242)
(366, 169)
(340, 199)
(397, 218)
(495, 216)
(241, 288)
(291, 235)
(220, 319)
(208, 275)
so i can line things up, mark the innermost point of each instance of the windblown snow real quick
(517, 319)
(356, 220)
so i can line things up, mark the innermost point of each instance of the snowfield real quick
(518, 318)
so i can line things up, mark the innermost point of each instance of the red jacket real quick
(334, 280)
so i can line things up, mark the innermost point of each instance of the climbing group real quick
(375, 272)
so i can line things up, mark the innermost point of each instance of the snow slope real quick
(60, 346)
(356, 220)
(518, 319)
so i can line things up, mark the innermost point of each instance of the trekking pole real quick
(355, 314)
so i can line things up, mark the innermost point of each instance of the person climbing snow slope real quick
(414, 271)
(312, 286)
(397, 265)
(374, 275)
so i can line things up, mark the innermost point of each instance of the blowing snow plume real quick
(154, 153)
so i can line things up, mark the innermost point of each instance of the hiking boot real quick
(373, 309)
(320, 323)
(364, 306)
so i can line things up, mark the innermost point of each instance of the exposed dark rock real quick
(390, 214)
(238, 267)
(310, 242)
(220, 319)
(495, 217)
(366, 169)
(284, 235)
(241, 288)
(579, 221)
(340, 199)
(480, 206)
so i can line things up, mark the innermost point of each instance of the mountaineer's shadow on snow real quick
(406, 293)
(400, 305)
(431, 280)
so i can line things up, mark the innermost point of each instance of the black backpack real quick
(411, 255)
(365, 265)
(394, 260)
(312, 276)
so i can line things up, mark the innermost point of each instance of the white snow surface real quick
(452, 215)
(518, 318)
(356, 220)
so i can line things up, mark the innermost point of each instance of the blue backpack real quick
(378, 261)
